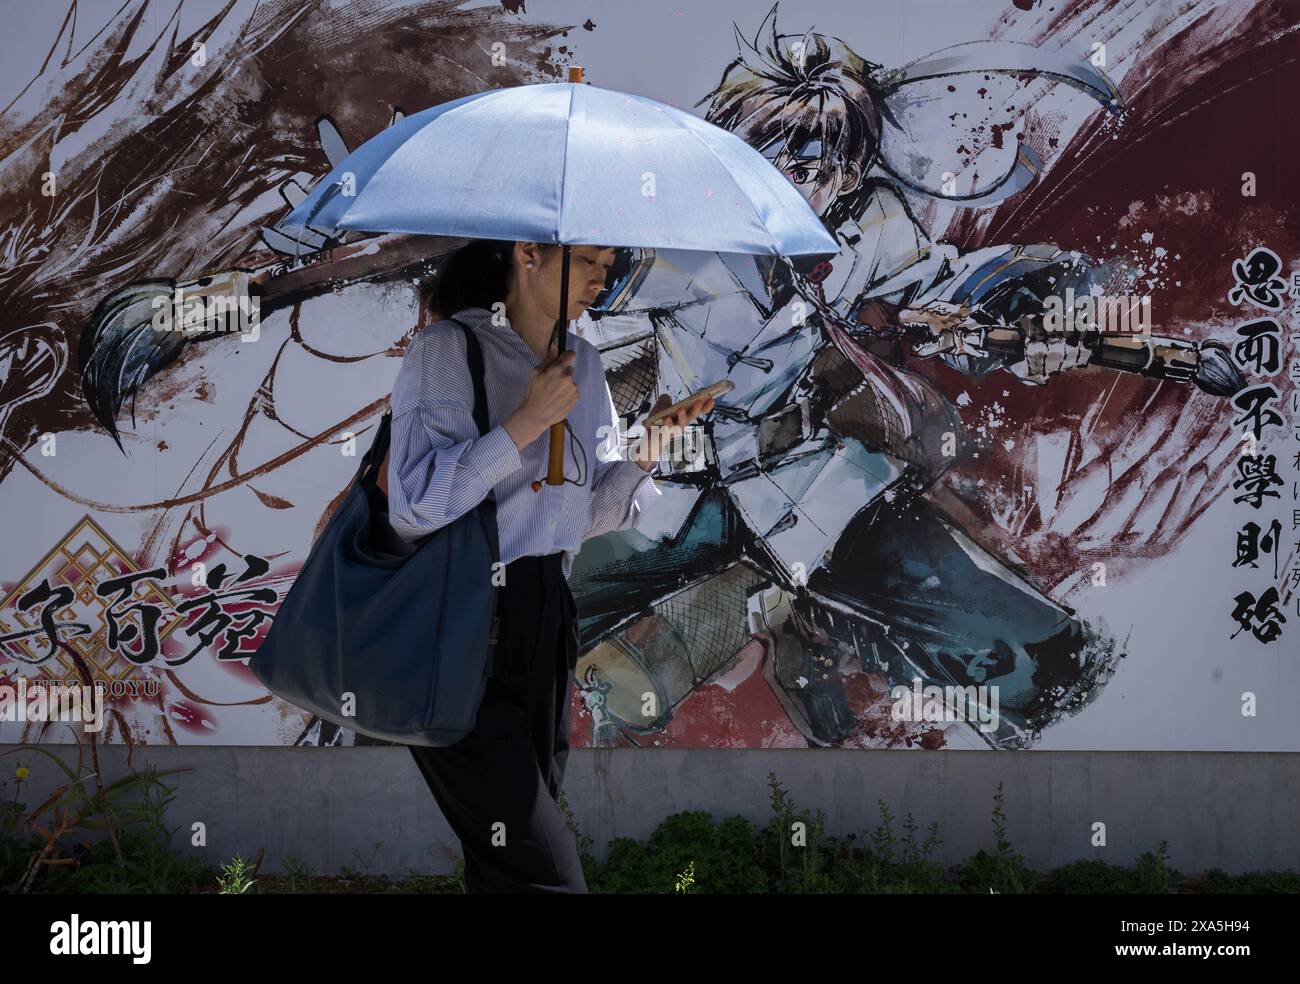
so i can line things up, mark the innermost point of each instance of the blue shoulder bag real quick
(395, 647)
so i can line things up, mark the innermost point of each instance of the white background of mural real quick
(1179, 688)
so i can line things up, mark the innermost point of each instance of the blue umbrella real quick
(570, 163)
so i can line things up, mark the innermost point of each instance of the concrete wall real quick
(1236, 811)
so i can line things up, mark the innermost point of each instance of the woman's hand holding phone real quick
(649, 448)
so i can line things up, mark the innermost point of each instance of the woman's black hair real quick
(476, 275)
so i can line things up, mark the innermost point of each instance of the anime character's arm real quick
(1006, 307)
(1034, 352)
(1031, 352)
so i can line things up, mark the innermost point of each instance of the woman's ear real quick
(526, 255)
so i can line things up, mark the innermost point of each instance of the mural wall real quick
(1018, 468)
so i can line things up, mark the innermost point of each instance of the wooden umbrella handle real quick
(555, 466)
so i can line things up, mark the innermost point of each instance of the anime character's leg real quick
(796, 509)
(799, 506)
(691, 536)
(953, 614)
(663, 608)
(787, 517)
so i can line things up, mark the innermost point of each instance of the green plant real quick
(722, 856)
(1004, 869)
(1088, 877)
(686, 879)
(350, 872)
(882, 838)
(236, 878)
(917, 866)
(591, 868)
(1219, 882)
(914, 870)
(74, 806)
(793, 855)
(570, 822)
(84, 803)
(15, 847)
(146, 861)
(298, 879)
(1151, 874)
(878, 860)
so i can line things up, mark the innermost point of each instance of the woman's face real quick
(588, 268)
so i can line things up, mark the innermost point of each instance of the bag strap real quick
(476, 371)
(474, 353)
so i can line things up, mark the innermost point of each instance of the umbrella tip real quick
(575, 73)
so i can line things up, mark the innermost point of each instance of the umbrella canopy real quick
(572, 163)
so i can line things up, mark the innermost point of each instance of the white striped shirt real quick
(439, 467)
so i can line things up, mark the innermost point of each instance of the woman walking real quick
(498, 786)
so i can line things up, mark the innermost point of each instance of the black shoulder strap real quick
(476, 371)
(373, 459)
(379, 446)
(476, 375)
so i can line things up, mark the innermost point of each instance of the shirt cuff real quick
(635, 486)
(493, 455)
(648, 491)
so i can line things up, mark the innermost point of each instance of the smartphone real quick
(717, 389)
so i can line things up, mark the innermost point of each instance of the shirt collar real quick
(480, 319)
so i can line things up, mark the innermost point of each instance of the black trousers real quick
(497, 787)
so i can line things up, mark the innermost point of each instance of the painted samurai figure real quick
(808, 524)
